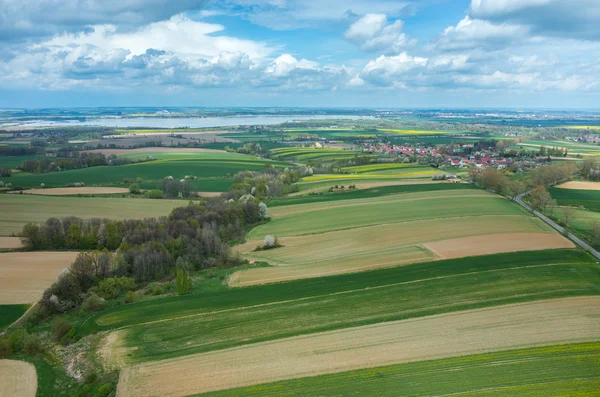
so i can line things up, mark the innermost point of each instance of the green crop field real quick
(305, 219)
(367, 193)
(550, 371)
(17, 210)
(11, 313)
(589, 199)
(149, 171)
(573, 147)
(359, 169)
(216, 320)
(14, 161)
(207, 156)
(419, 132)
(313, 154)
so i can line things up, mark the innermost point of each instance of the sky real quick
(306, 53)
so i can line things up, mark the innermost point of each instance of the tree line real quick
(192, 237)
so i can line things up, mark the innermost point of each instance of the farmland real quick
(313, 154)
(149, 171)
(17, 378)
(25, 275)
(549, 371)
(208, 321)
(468, 332)
(418, 132)
(17, 210)
(302, 219)
(589, 199)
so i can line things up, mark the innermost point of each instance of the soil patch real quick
(497, 243)
(17, 379)
(25, 275)
(580, 185)
(64, 191)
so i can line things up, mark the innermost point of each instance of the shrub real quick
(33, 345)
(183, 282)
(134, 188)
(5, 349)
(60, 328)
(93, 303)
(104, 390)
(113, 287)
(128, 181)
(17, 339)
(154, 194)
(130, 297)
(91, 377)
(269, 241)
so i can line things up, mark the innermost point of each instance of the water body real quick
(185, 122)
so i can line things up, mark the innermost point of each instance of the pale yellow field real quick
(581, 185)
(497, 328)
(394, 244)
(63, 191)
(17, 379)
(497, 243)
(10, 243)
(25, 275)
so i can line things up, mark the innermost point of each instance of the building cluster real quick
(458, 155)
(584, 139)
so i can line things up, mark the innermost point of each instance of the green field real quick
(305, 219)
(367, 193)
(149, 171)
(216, 320)
(312, 154)
(589, 199)
(565, 370)
(14, 161)
(581, 222)
(10, 313)
(17, 210)
(573, 147)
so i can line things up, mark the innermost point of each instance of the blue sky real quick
(371, 53)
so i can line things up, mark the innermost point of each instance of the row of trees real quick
(79, 160)
(272, 182)
(192, 237)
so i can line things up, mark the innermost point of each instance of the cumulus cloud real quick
(388, 71)
(20, 19)
(373, 33)
(179, 34)
(476, 33)
(574, 18)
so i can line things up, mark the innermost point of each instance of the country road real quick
(556, 226)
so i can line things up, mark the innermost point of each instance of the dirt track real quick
(63, 191)
(580, 185)
(446, 335)
(17, 379)
(25, 275)
(497, 243)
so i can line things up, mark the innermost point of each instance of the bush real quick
(134, 188)
(93, 303)
(104, 390)
(154, 194)
(130, 297)
(184, 282)
(17, 339)
(91, 377)
(60, 328)
(5, 349)
(113, 287)
(33, 345)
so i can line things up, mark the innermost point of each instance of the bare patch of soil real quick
(17, 379)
